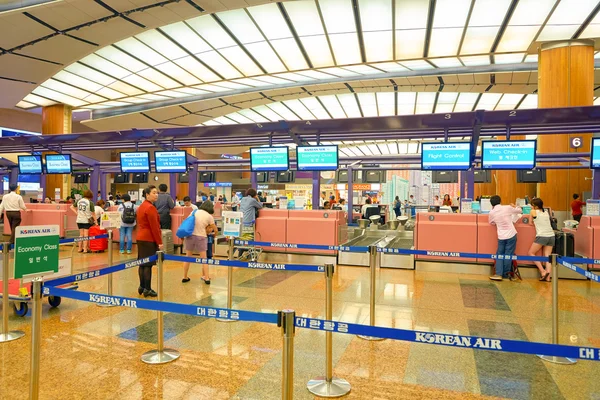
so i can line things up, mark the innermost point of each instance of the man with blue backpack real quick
(128, 216)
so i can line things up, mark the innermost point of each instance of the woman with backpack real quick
(127, 211)
(197, 242)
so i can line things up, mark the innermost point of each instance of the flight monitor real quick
(504, 154)
(135, 162)
(595, 160)
(170, 161)
(269, 159)
(58, 164)
(317, 158)
(446, 156)
(30, 165)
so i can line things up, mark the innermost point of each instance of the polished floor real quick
(91, 353)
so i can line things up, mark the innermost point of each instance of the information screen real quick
(30, 165)
(317, 158)
(170, 161)
(58, 164)
(514, 154)
(135, 162)
(595, 160)
(445, 156)
(269, 159)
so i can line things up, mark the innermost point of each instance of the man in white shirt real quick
(187, 202)
(13, 203)
(502, 217)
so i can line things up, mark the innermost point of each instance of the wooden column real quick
(565, 79)
(56, 120)
(504, 184)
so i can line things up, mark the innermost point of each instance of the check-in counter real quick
(47, 214)
(446, 233)
(487, 238)
(587, 239)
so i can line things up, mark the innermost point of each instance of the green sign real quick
(317, 158)
(36, 250)
(269, 158)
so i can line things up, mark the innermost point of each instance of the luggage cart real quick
(248, 253)
(20, 296)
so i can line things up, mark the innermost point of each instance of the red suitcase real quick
(98, 245)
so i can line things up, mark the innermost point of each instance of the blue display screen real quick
(30, 164)
(514, 154)
(595, 160)
(445, 156)
(58, 163)
(135, 162)
(170, 161)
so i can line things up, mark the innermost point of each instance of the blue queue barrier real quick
(568, 262)
(451, 254)
(433, 338)
(82, 239)
(243, 264)
(353, 249)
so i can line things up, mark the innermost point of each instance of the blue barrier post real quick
(36, 339)
(328, 385)
(286, 321)
(372, 290)
(110, 264)
(555, 359)
(5, 334)
(229, 281)
(160, 355)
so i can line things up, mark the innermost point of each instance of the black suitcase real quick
(559, 244)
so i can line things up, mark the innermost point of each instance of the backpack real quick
(128, 216)
(187, 226)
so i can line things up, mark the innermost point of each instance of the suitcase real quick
(167, 239)
(564, 249)
(98, 245)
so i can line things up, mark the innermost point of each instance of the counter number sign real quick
(576, 142)
(36, 250)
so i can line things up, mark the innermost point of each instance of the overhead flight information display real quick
(135, 162)
(58, 163)
(445, 156)
(513, 154)
(30, 165)
(317, 158)
(269, 159)
(595, 160)
(170, 161)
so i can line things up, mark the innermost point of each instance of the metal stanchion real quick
(373, 258)
(285, 320)
(555, 359)
(229, 282)
(110, 263)
(36, 340)
(160, 355)
(328, 385)
(5, 334)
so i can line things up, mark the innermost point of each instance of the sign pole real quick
(5, 334)
(229, 282)
(36, 339)
(286, 320)
(372, 290)
(109, 276)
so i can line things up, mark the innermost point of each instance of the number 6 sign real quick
(576, 142)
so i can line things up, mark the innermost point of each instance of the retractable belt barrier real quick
(472, 342)
(351, 249)
(99, 272)
(82, 239)
(242, 264)
(567, 262)
(10, 247)
(455, 254)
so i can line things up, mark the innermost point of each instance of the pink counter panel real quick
(447, 233)
(47, 214)
(487, 237)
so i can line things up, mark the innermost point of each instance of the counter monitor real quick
(170, 161)
(269, 159)
(30, 165)
(446, 156)
(513, 154)
(58, 164)
(317, 158)
(135, 162)
(595, 159)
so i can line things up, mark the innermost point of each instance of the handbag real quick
(187, 226)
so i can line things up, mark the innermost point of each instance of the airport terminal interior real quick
(251, 199)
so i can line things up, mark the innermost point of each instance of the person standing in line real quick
(164, 205)
(187, 202)
(13, 203)
(86, 217)
(99, 210)
(502, 217)
(397, 206)
(128, 217)
(544, 237)
(149, 238)
(576, 205)
(197, 243)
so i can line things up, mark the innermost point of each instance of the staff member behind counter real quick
(13, 203)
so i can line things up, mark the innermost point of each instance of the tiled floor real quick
(90, 352)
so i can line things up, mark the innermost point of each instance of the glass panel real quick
(211, 32)
(338, 16)
(270, 21)
(191, 65)
(264, 54)
(410, 43)
(479, 40)
(333, 106)
(240, 24)
(368, 104)
(318, 50)
(349, 104)
(378, 46)
(158, 78)
(290, 53)
(141, 51)
(186, 37)
(156, 40)
(244, 64)
(386, 103)
(346, 49)
(172, 70)
(118, 57)
(268, 113)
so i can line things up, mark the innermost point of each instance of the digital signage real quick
(595, 159)
(446, 156)
(170, 161)
(503, 154)
(58, 164)
(317, 158)
(30, 164)
(135, 162)
(269, 159)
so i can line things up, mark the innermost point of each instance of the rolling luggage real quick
(167, 239)
(98, 245)
(564, 249)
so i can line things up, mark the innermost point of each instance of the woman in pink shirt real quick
(197, 243)
(502, 217)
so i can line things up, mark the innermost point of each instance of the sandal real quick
(543, 277)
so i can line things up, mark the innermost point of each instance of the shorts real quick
(147, 249)
(196, 244)
(84, 226)
(544, 240)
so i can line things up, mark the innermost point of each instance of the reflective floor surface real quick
(89, 352)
